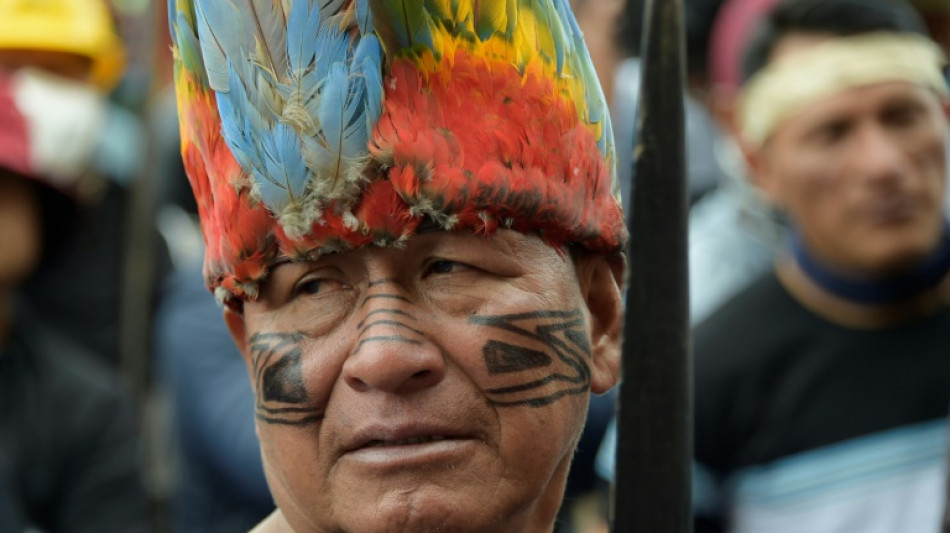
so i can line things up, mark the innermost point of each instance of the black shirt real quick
(775, 381)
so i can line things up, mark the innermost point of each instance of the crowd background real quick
(128, 288)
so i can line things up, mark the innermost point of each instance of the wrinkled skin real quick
(392, 344)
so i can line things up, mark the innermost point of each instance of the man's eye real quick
(443, 267)
(312, 286)
(901, 116)
(832, 133)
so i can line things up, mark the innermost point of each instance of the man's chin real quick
(893, 253)
(899, 258)
(423, 511)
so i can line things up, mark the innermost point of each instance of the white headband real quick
(793, 82)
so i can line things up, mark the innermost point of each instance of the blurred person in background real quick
(76, 40)
(733, 233)
(821, 390)
(69, 454)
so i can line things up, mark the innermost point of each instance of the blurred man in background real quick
(69, 454)
(77, 41)
(821, 390)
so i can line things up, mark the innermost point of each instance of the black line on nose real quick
(389, 323)
(388, 338)
(378, 311)
(399, 297)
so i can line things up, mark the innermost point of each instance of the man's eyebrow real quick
(308, 264)
(903, 102)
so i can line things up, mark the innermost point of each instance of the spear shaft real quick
(654, 448)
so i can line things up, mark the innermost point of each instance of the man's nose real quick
(391, 353)
(879, 155)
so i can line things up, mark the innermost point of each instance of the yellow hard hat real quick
(82, 27)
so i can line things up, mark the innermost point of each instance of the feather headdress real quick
(317, 126)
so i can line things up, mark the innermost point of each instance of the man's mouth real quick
(409, 448)
(891, 211)
(423, 439)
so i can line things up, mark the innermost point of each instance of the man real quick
(68, 447)
(411, 215)
(821, 390)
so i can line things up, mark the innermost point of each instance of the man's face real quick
(441, 387)
(861, 175)
(20, 229)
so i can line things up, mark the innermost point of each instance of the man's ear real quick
(761, 173)
(236, 325)
(722, 106)
(601, 282)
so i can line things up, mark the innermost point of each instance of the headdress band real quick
(792, 83)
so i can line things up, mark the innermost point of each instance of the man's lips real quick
(892, 210)
(412, 440)
(403, 435)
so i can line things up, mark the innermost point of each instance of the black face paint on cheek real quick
(504, 358)
(278, 379)
(559, 333)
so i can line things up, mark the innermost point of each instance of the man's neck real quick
(850, 314)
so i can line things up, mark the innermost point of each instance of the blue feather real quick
(237, 122)
(174, 18)
(285, 176)
(303, 23)
(331, 113)
(363, 17)
(220, 44)
(368, 61)
(267, 30)
(332, 46)
(355, 136)
(297, 119)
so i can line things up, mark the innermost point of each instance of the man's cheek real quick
(281, 395)
(534, 358)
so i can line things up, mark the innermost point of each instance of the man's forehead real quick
(507, 243)
(872, 101)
